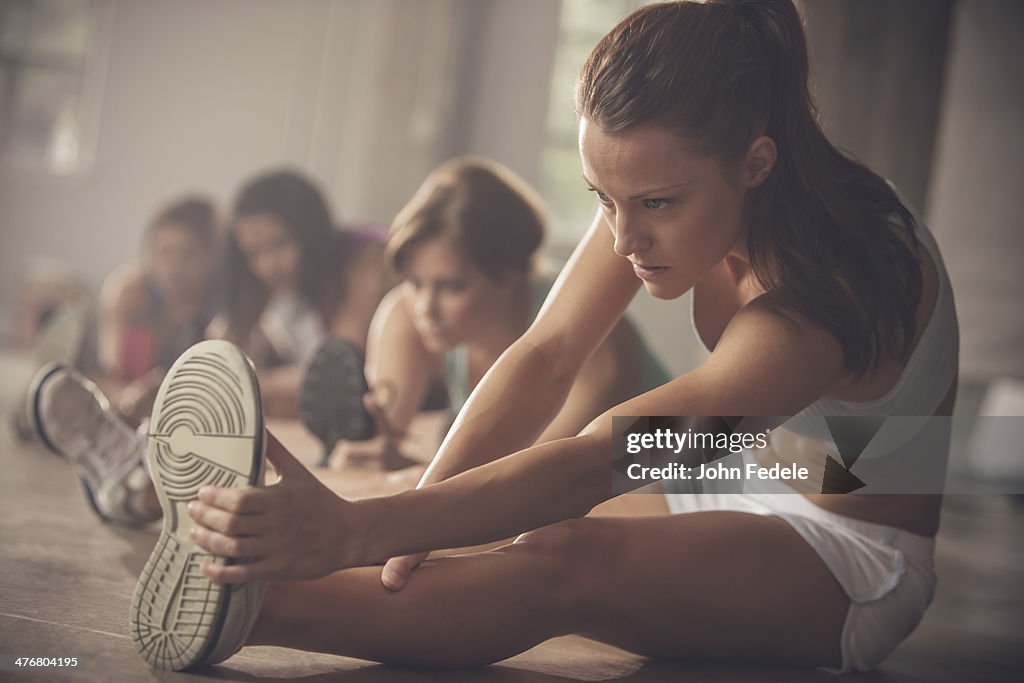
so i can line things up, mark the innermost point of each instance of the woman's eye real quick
(656, 204)
(601, 196)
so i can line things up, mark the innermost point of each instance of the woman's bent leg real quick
(705, 584)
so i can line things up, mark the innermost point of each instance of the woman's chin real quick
(664, 290)
(435, 343)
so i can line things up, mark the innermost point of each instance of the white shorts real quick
(888, 573)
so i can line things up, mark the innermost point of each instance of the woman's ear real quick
(759, 162)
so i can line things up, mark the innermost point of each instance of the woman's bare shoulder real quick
(393, 324)
(771, 350)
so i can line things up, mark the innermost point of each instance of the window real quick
(583, 23)
(51, 67)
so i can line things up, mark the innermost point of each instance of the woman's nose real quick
(629, 239)
(265, 267)
(426, 303)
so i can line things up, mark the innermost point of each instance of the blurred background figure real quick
(152, 309)
(149, 310)
(466, 247)
(290, 278)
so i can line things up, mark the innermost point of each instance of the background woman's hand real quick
(368, 453)
(382, 451)
(294, 529)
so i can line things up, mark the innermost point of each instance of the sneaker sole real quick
(331, 396)
(206, 429)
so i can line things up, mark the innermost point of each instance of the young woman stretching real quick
(465, 247)
(817, 293)
(291, 278)
(153, 309)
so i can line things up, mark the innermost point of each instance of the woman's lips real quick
(432, 331)
(649, 272)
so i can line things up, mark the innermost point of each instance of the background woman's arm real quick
(528, 385)
(364, 286)
(399, 369)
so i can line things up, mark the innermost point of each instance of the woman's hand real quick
(396, 571)
(380, 451)
(369, 453)
(294, 529)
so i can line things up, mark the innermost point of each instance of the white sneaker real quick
(72, 417)
(59, 343)
(206, 429)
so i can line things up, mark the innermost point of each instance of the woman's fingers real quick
(225, 522)
(245, 501)
(227, 546)
(239, 573)
(396, 571)
(294, 529)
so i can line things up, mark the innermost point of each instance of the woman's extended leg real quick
(702, 584)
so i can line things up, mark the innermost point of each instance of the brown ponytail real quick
(725, 72)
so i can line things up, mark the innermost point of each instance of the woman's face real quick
(271, 252)
(179, 261)
(449, 296)
(672, 212)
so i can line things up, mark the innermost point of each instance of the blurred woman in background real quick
(466, 249)
(154, 308)
(290, 279)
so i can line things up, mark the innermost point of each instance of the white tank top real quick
(924, 383)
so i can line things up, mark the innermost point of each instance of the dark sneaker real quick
(331, 398)
(206, 429)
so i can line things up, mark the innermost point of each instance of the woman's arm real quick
(399, 369)
(397, 362)
(764, 364)
(528, 385)
(611, 375)
(364, 286)
(121, 298)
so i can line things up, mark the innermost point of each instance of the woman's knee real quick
(573, 553)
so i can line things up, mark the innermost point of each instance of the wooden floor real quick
(66, 582)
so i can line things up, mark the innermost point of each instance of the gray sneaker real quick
(206, 429)
(72, 418)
